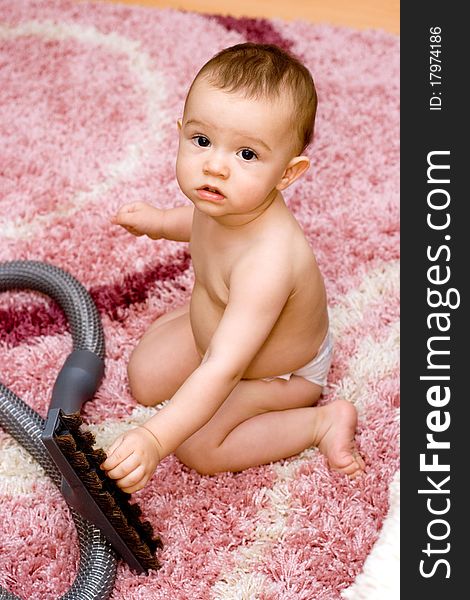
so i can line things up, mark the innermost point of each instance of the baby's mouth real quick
(207, 192)
(211, 189)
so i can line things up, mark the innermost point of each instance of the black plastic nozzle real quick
(77, 381)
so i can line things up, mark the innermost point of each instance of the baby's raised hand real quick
(140, 218)
(132, 459)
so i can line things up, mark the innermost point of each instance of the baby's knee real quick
(141, 387)
(202, 462)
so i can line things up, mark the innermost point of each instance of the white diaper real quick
(317, 369)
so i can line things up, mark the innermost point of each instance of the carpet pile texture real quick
(89, 98)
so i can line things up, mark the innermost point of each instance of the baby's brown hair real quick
(265, 71)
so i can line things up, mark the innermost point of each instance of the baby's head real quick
(248, 116)
(265, 72)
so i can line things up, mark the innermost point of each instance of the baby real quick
(245, 362)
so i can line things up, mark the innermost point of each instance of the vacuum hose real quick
(97, 567)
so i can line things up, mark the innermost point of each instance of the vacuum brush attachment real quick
(85, 486)
(95, 496)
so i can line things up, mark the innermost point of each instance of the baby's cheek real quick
(182, 172)
(257, 188)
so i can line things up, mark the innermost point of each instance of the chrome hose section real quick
(97, 567)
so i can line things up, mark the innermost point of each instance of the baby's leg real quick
(163, 359)
(261, 422)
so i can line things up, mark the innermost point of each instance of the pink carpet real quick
(89, 98)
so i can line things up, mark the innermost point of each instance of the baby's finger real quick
(129, 222)
(126, 209)
(123, 219)
(133, 481)
(134, 488)
(123, 468)
(115, 455)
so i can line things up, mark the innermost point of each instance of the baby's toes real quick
(359, 466)
(353, 467)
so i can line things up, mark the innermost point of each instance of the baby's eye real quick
(201, 141)
(247, 154)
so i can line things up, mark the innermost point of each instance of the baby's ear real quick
(179, 122)
(296, 167)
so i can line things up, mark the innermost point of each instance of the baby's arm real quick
(140, 218)
(257, 297)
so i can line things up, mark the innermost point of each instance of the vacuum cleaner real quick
(108, 524)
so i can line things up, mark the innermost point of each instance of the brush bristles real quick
(77, 446)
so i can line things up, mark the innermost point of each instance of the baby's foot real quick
(335, 430)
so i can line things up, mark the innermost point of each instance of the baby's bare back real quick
(303, 322)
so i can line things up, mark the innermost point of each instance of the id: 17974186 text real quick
(435, 68)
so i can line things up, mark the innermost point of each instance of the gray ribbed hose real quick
(97, 567)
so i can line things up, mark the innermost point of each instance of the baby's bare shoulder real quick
(282, 253)
(287, 243)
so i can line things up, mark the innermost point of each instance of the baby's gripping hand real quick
(132, 459)
(140, 218)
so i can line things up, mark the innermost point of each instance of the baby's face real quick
(233, 151)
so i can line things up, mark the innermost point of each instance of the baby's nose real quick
(216, 166)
